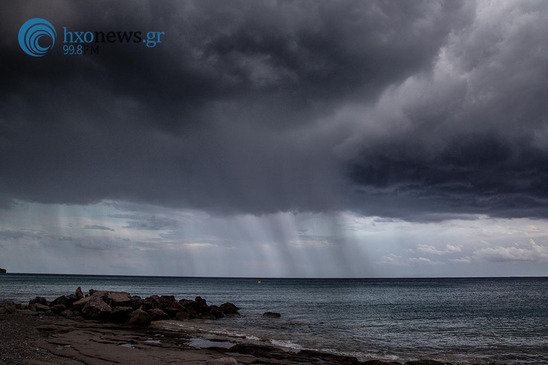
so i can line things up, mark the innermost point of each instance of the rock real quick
(201, 301)
(229, 309)
(37, 307)
(96, 307)
(215, 312)
(223, 361)
(79, 294)
(39, 300)
(191, 312)
(79, 304)
(151, 302)
(118, 299)
(65, 300)
(156, 314)
(121, 314)
(57, 308)
(3, 271)
(272, 315)
(181, 316)
(136, 302)
(139, 318)
(67, 313)
(166, 301)
(195, 308)
(174, 309)
(424, 362)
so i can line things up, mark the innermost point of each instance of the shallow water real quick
(458, 320)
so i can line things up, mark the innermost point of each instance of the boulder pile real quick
(123, 307)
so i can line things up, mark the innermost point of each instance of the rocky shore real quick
(105, 327)
(122, 307)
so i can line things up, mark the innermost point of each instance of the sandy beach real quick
(37, 339)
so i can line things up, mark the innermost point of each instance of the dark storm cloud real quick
(239, 109)
(477, 142)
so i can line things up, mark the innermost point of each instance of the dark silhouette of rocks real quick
(125, 308)
(3, 271)
(156, 314)
(78, 293)
(140, 318)
(272, 315)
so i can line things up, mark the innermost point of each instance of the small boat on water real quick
(3, 271)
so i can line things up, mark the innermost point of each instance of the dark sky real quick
(415, 110)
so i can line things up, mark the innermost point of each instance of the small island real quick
(3, 271)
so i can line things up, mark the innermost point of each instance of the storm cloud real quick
(418, 110)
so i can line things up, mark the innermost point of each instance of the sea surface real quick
(463, 320)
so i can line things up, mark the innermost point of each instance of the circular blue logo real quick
(32, 32)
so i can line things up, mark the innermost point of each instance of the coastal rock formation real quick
(139, 318)
(123, 307)
(3, 271)
(96, 307)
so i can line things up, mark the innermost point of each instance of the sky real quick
(277, 139)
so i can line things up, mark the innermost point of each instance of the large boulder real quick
(65, 300)
(79, 304)
(39, 300)
(57, 308)
(118, 299)
(139, 318)
(96, 307)
(196, 307)
(229, 309)
(121, 314)
(156, 314)
(151, 302)
(215, 312)
(174, 308)
(166, 301)
(136, 302)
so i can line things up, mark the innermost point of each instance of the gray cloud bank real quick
(417, 110)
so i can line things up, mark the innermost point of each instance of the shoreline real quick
(37, 339)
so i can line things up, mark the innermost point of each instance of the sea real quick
(457, 320)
